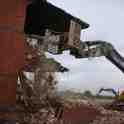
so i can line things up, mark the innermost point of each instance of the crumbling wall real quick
(36, 98)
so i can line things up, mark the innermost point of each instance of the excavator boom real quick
(97, 49)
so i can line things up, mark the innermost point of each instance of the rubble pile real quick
(110, 117)
(43, 116)
(106, 116)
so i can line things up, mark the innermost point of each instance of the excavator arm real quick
(108, 90)
(97, 49)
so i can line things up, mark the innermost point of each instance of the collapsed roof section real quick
(44, 15)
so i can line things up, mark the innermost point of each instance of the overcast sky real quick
(106, 19)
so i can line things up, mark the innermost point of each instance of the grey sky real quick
(106, 19)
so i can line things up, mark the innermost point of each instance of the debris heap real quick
(110, 117)
(106, 116)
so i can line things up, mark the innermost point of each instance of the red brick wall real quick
(12, 46)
